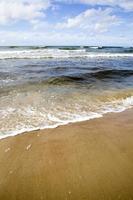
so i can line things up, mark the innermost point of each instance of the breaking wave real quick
(55, 120)
(43, 52)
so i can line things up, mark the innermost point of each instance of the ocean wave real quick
(87, 77)
(62, 118)
(58, 53)
(128, 50)
(37, 94)
(82, 79)
(112, 73)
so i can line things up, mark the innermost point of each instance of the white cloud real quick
(14, 10)
(91, 20)
(92, 27)
(127, 5)
(61, 38)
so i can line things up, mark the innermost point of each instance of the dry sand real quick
(82, 161)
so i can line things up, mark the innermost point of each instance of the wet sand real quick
(81, 161)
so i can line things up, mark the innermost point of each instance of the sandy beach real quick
(87, 160)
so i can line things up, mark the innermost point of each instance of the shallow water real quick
(43, 87)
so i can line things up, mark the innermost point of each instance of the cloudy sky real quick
(66, 22)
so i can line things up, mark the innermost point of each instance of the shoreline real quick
(93, 117)
(83, 160)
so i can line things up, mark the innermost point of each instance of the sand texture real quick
(91, 160)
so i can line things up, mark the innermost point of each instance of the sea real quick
(48, 86)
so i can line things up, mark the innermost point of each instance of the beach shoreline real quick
(84, 160)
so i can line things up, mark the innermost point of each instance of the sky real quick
(66, 22)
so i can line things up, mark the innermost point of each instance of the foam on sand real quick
(54, 121)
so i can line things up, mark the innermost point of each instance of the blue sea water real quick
(43, 87)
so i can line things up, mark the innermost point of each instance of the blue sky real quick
(66, 22)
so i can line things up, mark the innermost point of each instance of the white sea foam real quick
(57, 53)
(114, 106)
